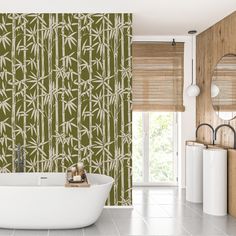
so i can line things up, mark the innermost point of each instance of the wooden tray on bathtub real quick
(77, 185)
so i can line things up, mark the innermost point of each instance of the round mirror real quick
(223, 87)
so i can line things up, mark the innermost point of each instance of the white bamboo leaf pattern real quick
(65, 94)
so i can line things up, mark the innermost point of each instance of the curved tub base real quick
(25, 204)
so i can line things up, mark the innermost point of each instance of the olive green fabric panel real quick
(65, 94)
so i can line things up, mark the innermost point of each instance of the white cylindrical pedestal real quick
(215, 181)
(194, 163)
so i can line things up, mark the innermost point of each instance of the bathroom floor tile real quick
(199, 227)
(106, 214)
(226, 224)
(198, 207)
(6, 232)
(132, 226)
(140, 198)
(151, 211)
(164, 199)
(165, 226)
(124, 213)
(209, 234)
(153, 191)
(101, 228)
(180, 210)
(69, 232)
(30, 232)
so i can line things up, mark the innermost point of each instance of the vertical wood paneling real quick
(212, 45)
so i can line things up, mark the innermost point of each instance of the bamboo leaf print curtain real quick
(65, 94)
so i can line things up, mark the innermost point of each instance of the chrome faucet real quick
(20, 159)
(213, 131)
(229, 126)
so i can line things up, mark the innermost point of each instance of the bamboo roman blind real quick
(158, 76)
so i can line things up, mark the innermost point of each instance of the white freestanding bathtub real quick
(40, 201)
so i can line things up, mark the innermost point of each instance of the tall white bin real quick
(194, 168)
(215, 181)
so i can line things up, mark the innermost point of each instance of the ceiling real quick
(151, 17)
(177, 17)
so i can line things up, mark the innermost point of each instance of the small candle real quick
(77, 178)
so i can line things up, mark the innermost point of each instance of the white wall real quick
(187, 119)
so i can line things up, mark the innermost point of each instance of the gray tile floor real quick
(156, 211)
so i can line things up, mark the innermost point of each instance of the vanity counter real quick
(208, 145)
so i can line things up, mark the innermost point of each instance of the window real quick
(157, 96)
(154, 147)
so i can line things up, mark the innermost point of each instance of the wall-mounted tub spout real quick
(229, 126)
(213, 131)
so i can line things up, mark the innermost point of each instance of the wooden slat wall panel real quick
(212, 45)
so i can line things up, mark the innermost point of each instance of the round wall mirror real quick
(223, 87)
